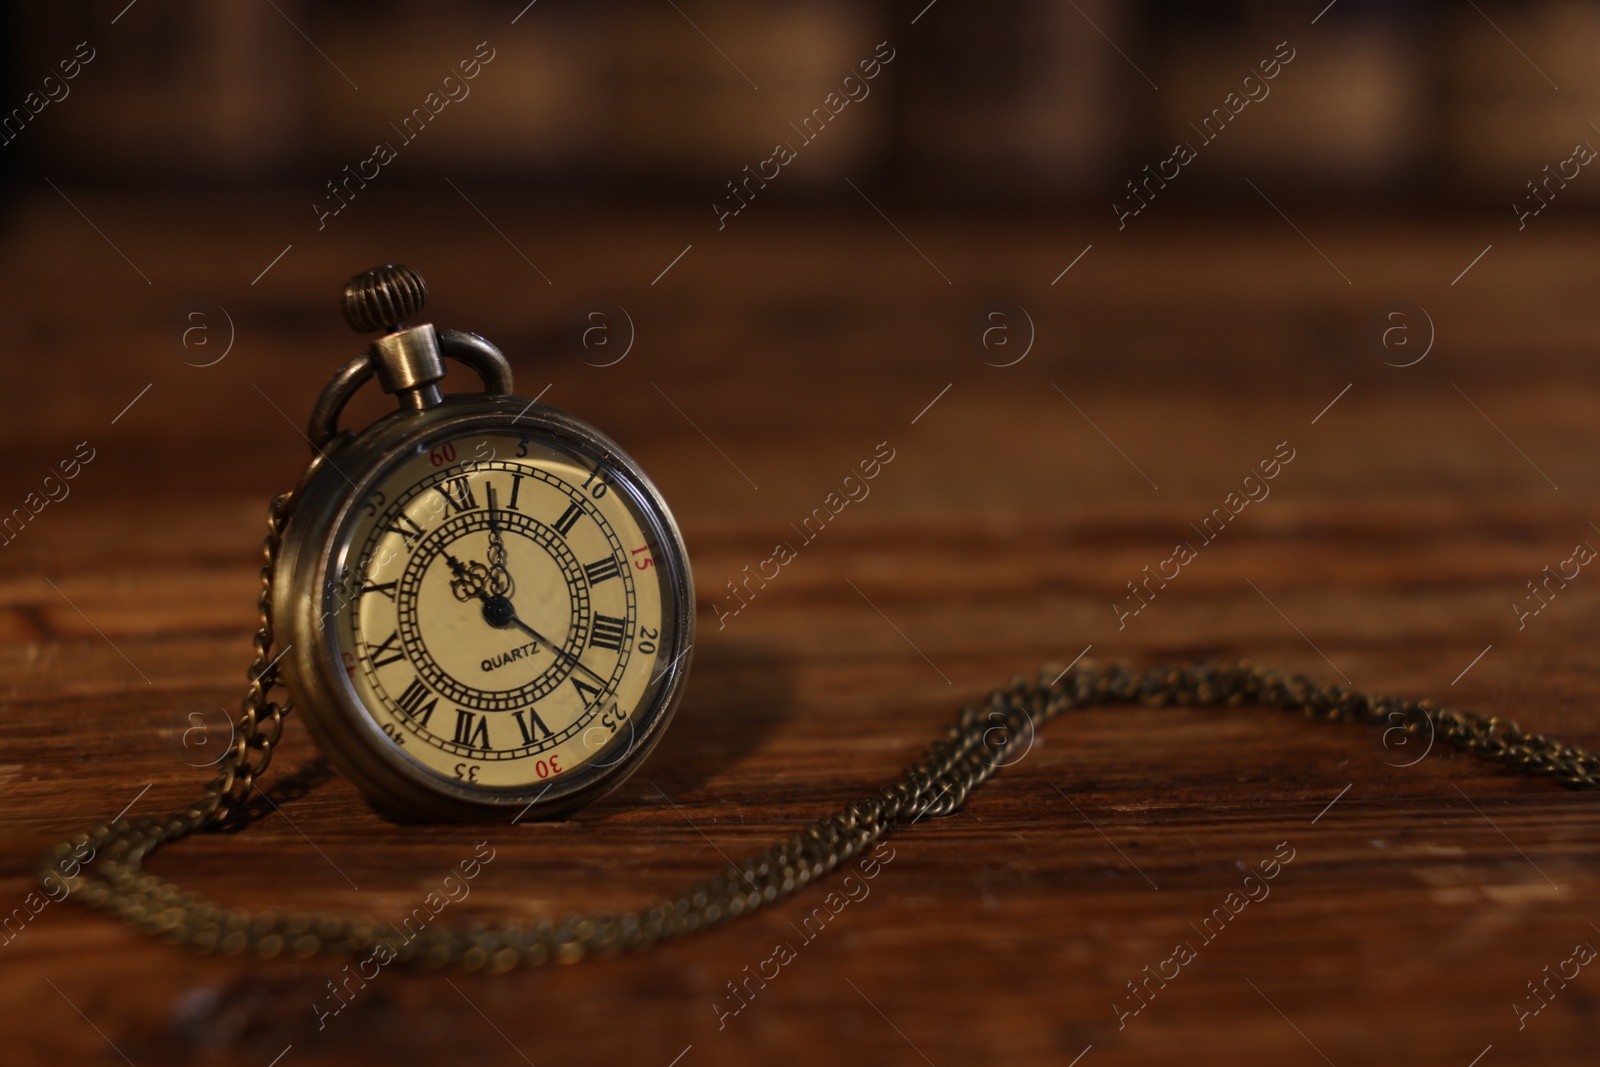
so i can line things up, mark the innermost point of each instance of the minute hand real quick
(555, 648)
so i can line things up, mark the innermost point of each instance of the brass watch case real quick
(311, 560)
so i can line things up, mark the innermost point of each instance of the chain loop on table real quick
(983, 739)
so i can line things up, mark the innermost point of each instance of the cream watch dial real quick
(502, 616)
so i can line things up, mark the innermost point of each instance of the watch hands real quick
(555, 648)
(473, 579)
(497, 608)
(500, 583)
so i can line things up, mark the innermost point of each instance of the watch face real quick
(501, 608)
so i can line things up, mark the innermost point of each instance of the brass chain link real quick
(983, 739)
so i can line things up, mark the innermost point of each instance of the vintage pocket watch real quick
(486, 604)
(485, 612)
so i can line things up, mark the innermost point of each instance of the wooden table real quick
(1423, 893)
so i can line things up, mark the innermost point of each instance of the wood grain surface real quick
(1425, 892)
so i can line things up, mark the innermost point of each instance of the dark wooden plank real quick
(1390, 551)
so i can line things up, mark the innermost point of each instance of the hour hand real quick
(471, 579)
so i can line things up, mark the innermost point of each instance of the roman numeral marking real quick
(386, 653)
(568, 519)
(407, 528)
(411, 702)
(601, 569)
(386, 588)
(607, 633)
(471, 730)
(516, 487)
(533, 729)
(585, 690)
(457, 492)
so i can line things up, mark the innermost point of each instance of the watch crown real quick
(381, 298)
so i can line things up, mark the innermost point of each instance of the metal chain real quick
(982, 739)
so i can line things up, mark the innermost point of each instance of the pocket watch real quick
(485, 604)
(486, 613)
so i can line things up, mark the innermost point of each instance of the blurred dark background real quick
(1417, 104)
